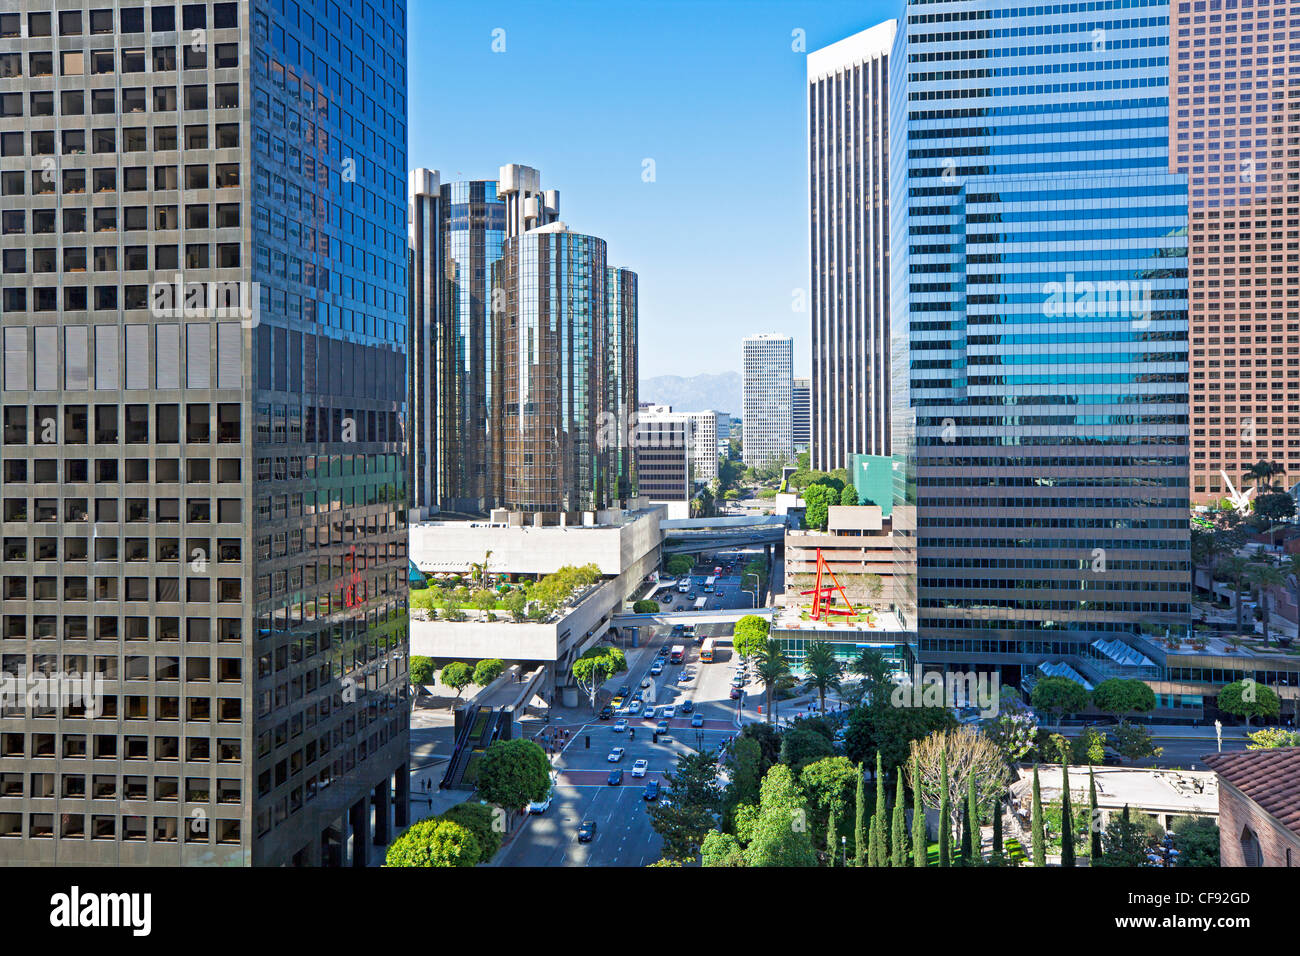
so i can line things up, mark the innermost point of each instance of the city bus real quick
(706, 651)
(700, 603)
(678, 652)
(709, 583)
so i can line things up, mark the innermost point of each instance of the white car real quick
(667, 712)
(640, 767)
(634, 707)
(620, 726)
(616, 754)
(541, 806)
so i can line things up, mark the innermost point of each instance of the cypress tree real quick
(945, 821)
(878, 821)
(973, 823)
(832, 828)
(873, 843)
(963, 851)
(1067, 819)
(997, 828)
(860, 824)
(1094, 820)
(898, 839)
(1036, 826)
(920, 846)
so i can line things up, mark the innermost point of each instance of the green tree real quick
(1272, 737)
(849, 496)
(486, 671)
(516, 603)
(802, 745)
(434, 842)
(945, 811)
(877, 676)
(817, 501)
(484, 600)
(832, 832)
(679, 565)
(890, 731)
(695, 796)
(828, 786)
(898, 827)
(1117, 695)
(822, 669)
(421, 670)
(1262, 578)
(1232, 570)
(457, 675)
(878, 820)
(750, 635)
(861, 820)
(1089, 747)
(920, 845)
(1197, 841)
(481, 820)
(1059, 695)
(1124, 843)
(596, 666)
(769, 743)
(645, 607)
(721, 849)
(1067, 819)
(746, 771)
(1247, 698)
(1036, 825)
(514, 773)
(773, 672)
(779, 833)
(1133, 742)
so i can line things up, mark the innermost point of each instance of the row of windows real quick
(162, 629)
(133, 829)
(162, 19)
(131, 61)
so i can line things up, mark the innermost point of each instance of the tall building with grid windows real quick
(1039, 308)
(767, 382)
(1235, 133)
(848, 228)
(801, 413)
(204, 401)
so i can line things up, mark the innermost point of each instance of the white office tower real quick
(768, 401)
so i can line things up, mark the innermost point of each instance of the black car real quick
(686, 706)
(623, 691)
(587, 831)
(651, 791)
(615, 777)
(606, 712)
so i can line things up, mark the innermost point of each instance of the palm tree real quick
(1232, 569)
(874, 670)
(773, 671)
(823, 670)
(478, 572)
(1262, 575)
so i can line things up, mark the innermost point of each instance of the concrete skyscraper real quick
(1039, 303)
(204, 409)
(848, 169)
(801, 413)
(767, 384)
(1237, 145)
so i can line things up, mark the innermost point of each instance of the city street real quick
(624, 836)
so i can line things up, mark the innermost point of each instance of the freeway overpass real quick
(697, 535)
(670, 618)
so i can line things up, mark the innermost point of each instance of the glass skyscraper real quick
(204, 406)
(1039, 310)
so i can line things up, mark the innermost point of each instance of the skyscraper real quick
(1236, 142)
(801, 413)
(204, 409)
(767, 381)
(848, 169)
(1039, 302)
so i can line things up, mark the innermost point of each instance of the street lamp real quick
(753, 593)
(844, 845)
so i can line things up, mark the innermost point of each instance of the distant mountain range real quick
(698, 393)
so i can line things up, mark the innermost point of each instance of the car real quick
(735, 693)
(618, 701)
(666, 598)
(667, 713)
(1111, 760)
(687, 706)
(640, 767)
(616, 754)
(697, 720)
(651, 791)
(587, 831)
(661, 727)
(606, 712)
(666, 647)
(657, 668)
(691, 596)
(634, 708)
(684, 677)
(624, 690)
(738, 681)
(541, 806)
(615, 777)
(620, 725)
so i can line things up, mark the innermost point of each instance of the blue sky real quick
(586, 90)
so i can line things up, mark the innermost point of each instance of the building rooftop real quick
(1171, 791)
(799, 617)
(1271, 778)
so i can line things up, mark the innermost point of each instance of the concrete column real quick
(310, 855)
(360, 814)
(383, 806)
(402, 805)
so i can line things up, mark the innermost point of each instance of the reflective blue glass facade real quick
(1039, 314)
